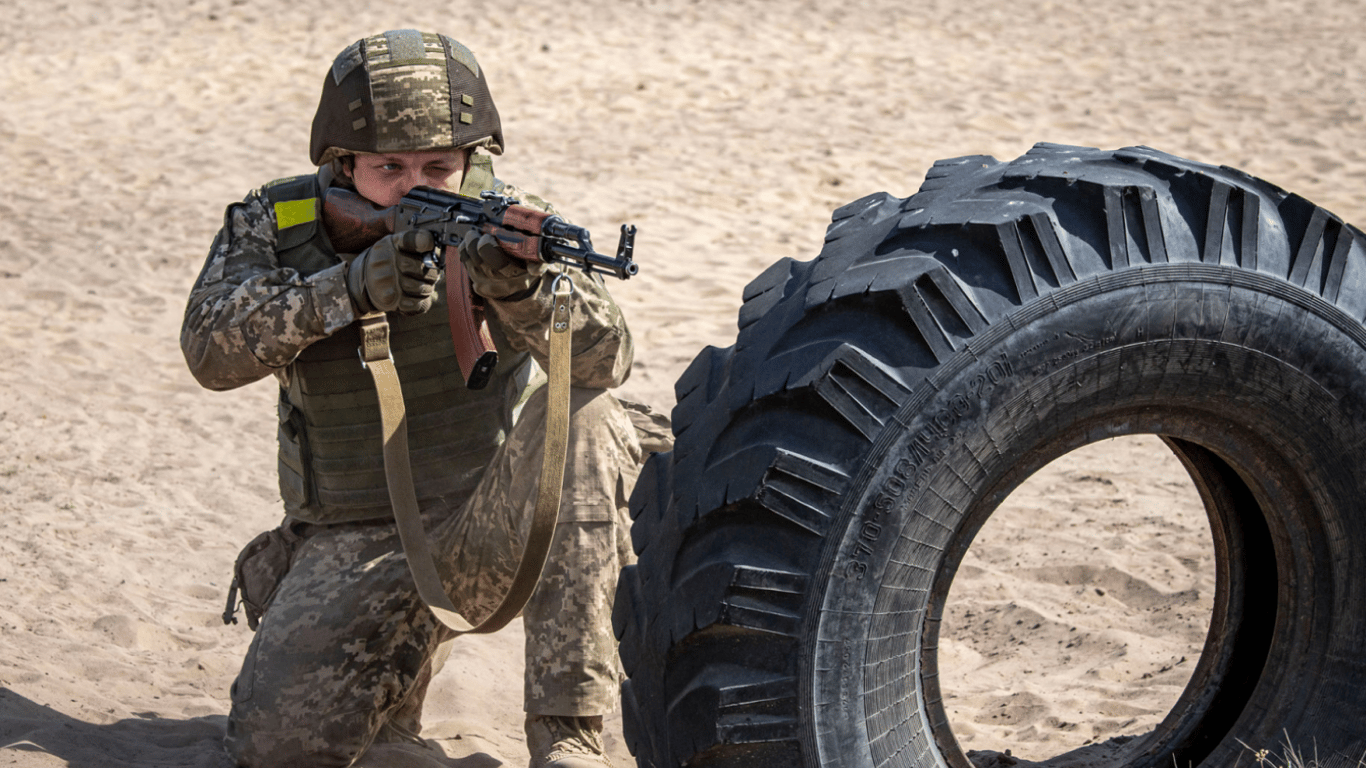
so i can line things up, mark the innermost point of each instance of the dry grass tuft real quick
(1290, 757)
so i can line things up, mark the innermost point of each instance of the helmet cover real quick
(403, 91)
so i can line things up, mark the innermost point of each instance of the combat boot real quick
(566, 742)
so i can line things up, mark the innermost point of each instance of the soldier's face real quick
(384, 179)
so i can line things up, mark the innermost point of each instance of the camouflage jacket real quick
(249, 317)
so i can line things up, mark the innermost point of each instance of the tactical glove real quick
(390, 275)
(494, 273)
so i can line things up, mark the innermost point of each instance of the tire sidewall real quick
(1151, 349)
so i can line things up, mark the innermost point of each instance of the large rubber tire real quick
(832, 467)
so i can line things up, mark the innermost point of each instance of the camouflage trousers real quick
(344, 654)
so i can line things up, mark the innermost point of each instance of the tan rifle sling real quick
(374, 352)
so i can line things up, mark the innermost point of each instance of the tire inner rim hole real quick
(1081, 607)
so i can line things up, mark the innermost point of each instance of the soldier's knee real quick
(598, 409)
(600, 425)
(591, 402)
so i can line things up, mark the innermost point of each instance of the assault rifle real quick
(354, 224)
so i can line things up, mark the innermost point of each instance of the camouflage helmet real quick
(401, 91)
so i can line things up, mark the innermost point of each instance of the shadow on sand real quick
(147, 740)
(139, 742)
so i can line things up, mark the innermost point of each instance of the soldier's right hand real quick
(390, 275)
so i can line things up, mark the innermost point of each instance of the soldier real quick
(341, 661)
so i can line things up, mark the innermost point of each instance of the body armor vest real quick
(331, 457)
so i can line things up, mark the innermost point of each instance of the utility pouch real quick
(260, 568)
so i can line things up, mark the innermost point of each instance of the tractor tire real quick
(831, 468)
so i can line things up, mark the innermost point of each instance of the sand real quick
(726, 132)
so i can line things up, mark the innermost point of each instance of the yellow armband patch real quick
(291, 213)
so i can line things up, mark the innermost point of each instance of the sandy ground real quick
(727, 131)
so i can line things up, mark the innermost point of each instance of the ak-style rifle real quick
(354, 224)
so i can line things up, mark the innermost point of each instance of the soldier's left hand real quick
(494, 273)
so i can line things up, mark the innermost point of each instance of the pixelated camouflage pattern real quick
(522, 196)
(404, 90)
(571, 653)
(411, 99)
(558, 740)
(248, 317)
(601, 345)
(344, 653)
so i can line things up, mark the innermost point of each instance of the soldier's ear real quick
(344, 167)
